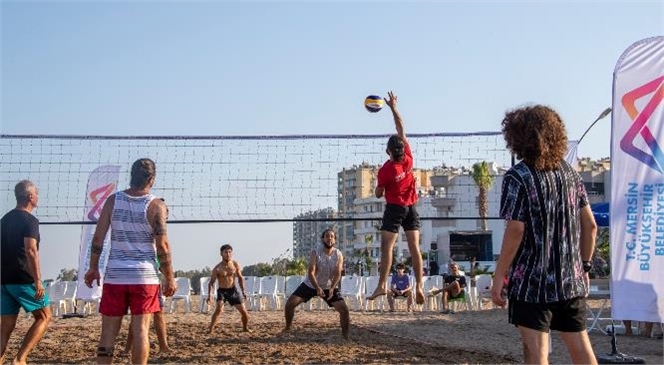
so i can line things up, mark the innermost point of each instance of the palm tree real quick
(483, 179)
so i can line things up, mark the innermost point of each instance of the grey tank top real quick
(325, 267)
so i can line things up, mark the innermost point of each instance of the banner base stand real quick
(616, 357)
(619, 359)
(72, 315)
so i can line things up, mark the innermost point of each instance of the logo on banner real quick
(654, 159)
(98, 197)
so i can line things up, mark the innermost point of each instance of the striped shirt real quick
(326, 267)
(547, 267)
(132, 256)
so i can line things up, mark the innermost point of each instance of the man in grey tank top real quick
(323, 276)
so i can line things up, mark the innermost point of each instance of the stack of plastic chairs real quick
(203, 306)
(370, 283)
(68, 300)
(252, 287)
(430, 283)
(267, 295)
(351, 289)
(56, 294)
(183, 293)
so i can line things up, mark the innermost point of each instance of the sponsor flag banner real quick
(637, 183)
(103, 182)
(571, 156)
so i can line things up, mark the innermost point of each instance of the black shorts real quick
(306, 293)
(564, 316)
(396, 216)
(229, 295)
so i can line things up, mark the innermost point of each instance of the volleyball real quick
(373, 103)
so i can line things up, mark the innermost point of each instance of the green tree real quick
(259, 269)
(68, 275)
(297, 266)
(483, 179)
(194, 277)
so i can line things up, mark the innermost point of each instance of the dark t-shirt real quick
(449, 279)
(16, 225)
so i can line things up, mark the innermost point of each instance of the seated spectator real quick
(400, 287)
(453, 287)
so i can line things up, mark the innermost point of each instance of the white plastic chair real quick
(483, 289)
(69, 298)
(203, 306)
(183, 293)
(252, 287)
(281, 288)
(268, 292)
(370, 283)
(56, 294)
(90, 304)
(291, 284)
(429, 284)
(351, 288)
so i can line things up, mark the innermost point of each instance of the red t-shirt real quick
(398, 180)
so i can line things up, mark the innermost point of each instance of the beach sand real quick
(466, 337)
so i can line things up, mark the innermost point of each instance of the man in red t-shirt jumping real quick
(396, 182)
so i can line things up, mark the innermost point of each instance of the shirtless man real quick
(225, 272)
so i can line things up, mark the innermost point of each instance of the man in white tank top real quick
(138, 236)
(323, 276)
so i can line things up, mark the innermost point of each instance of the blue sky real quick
(232, 68)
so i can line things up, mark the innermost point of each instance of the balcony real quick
(441, 181)
(443, 202)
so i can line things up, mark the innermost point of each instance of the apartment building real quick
(306, 234)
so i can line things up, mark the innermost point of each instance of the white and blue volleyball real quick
(373, 103)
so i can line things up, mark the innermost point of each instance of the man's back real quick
(15, 226)
(132, 256)
(547, 266)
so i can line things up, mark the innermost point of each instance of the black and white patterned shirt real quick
(547, 266)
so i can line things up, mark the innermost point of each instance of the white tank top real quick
(132, 259)
(326, 266)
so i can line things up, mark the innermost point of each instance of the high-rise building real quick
(357, 182)
(307, 229)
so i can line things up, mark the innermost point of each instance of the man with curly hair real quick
(549, 239)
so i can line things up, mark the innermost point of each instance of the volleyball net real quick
(230, 178)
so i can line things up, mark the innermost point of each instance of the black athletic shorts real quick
(563, 316)
(396, 216)
(229, 295)
(306, 293)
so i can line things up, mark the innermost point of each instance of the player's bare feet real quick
(377, 293)
(247, 330)
(17, 362)
(419, 296)
(164, 351)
